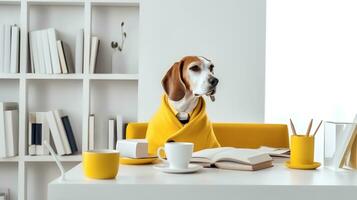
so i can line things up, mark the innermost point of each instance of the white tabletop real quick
(269, 180)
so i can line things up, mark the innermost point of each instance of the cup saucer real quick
(314, 165)
(163, 167)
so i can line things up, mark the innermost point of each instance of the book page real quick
(246, 156)
(279, 152)
(209, 153)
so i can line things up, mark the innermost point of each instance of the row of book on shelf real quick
(41, 126)
(115, 131)
(48, 55)
(56, 124)
(52, 126)
(52, 56)
(9, 48)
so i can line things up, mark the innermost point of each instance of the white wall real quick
(311, 62)
(230, 32)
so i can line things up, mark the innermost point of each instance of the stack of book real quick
(49, 55)
(346, 148)
(9, 129)
(115, 131)
(133, 148)
(9, 48)
(42, 124)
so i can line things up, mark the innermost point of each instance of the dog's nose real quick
(213, 81)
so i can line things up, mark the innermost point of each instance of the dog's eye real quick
(211, 68)
(195, 68)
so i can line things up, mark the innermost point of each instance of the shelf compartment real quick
(66, 19)
(108, 99)
(42, 173)
(9, 177)
(66, 95)
(11, 11)
(9, 90)
(106, 25)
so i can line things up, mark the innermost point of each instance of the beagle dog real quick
(186, 81)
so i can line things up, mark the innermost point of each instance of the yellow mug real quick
(101, 164)
(301, 150)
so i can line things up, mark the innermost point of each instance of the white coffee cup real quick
(178, 154)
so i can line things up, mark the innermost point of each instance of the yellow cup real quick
(101, 164)
(302, 150)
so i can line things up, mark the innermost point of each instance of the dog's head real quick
(192, 74)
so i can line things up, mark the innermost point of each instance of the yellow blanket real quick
(164, 126)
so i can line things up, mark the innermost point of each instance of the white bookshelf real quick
(103, 93)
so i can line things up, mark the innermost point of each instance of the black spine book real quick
(69, 133)
(36, 138)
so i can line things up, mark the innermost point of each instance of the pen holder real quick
(302, 153)
(302, 150)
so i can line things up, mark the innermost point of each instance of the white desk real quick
(144, 182)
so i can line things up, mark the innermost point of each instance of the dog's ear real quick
(173, 83)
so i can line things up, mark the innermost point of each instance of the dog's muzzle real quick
(213, 81)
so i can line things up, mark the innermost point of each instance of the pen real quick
(309, 128)
(292, 127)
(317, 129)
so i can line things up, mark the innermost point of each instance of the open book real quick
(232, 158)
(275, 152)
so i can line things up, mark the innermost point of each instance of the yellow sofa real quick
(242, 135)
